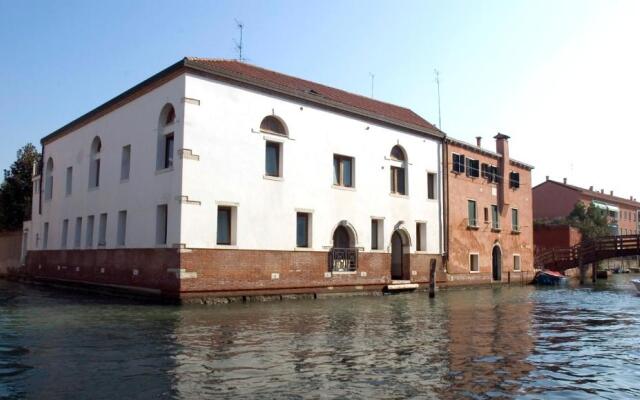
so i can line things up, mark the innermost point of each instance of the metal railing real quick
(343, 259)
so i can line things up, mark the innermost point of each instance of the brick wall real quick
(555, 236)
(218, 272)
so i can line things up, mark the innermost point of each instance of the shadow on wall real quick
(10, 251)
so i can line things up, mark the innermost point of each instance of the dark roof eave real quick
(122, 96)
(313, 99)
(185, 63)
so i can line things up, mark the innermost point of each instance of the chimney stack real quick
(547, 177)
(602, 191)
(591, 188)
(479, 141)
(611, 192)
(564, 180)
(502, 148)
(631, 198)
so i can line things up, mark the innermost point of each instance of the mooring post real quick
(432, 279)
(594, 272)
(509, 277)
(582, 269)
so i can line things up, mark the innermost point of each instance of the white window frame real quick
(519, 269)
(477, 254)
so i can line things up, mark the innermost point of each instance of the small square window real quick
(432, 184)
(474, 262)
(458, 163)
(421, 236)
(273, 159)
(303, 229)
(516, 262)
(342, 171)
(473, 168)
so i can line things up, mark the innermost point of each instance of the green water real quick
(504, 342)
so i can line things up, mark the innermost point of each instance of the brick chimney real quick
(479, 141)
(611, 193)
(564, 180)
(547, 177)
(591, 188)
(502, 148)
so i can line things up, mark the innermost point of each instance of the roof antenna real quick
(437, 75)
(373, 76)
(240, 26)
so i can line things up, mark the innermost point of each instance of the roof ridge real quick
(230, 60)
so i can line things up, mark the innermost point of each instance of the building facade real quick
(554, 200)
(489, 214)
(219, 178)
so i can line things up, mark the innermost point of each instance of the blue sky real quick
(554, 75)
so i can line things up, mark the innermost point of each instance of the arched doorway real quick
(398, 267)
(341, 238)
(344, 254)
(496, 263)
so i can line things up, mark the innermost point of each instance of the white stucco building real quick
(216, 176)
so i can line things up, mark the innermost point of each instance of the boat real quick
(636, 283)
(547, 277)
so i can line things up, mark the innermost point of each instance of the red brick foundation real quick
(203, 273)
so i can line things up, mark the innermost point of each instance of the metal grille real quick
(343, 259)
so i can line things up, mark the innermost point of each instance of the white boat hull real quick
(636, 283)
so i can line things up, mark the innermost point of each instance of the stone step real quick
(399, 282)
(402, 286)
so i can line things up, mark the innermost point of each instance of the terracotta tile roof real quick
(310, 90)
(596, 194)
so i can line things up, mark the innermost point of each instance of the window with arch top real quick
(166, 137)
(94, 162)
(398, 170)
(272, 124)
(48, 180)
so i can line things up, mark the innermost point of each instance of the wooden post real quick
(509, 277)
(594, 272)
(582, 269)
(432, 279)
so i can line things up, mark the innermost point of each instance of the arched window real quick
(48, 180)
(273, 124)
(166, 137)
(94, 163)
(398, 170)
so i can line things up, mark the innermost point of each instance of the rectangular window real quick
(377, 234)
(96, 176)
(342, 171)
(472, 213)
(421, 236)
(515, 220)
(495, 217)
(89, 234)
(45, 236)
(168, 151)
(102, 230)
(69, 183)
(432, 182)
(474, 262)
(122, 227)
(458, 163)
(398, 183)
(272, 159)
(65, 234)
(514, 180)
(303, 226)
(486, 215)
(161, 224)
(224, 225)
(473, 168)
(516, 262)
(125, 163)
(493, 174)
(77, 239)
(48, 187)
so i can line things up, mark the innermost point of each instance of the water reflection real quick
(478, 343)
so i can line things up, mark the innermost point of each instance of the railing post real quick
(581, 268)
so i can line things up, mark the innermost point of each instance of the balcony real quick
(343, 259)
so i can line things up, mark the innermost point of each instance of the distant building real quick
(554, 200)
(489, 213)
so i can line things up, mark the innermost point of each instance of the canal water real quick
(504, 342)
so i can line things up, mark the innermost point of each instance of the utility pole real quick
(372, 78)
(240, 26)
(437, 75)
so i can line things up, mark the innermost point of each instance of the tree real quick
(15, 191)
(591, 221)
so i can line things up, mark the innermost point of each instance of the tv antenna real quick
(240, 26)
(373, 76)
(437, 75)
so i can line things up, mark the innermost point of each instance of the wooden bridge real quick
(588, 252)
